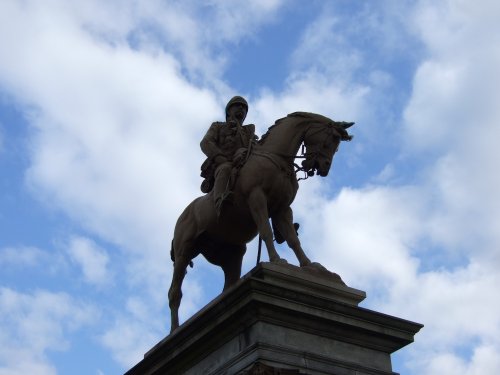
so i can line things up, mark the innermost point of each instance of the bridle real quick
(311, 153)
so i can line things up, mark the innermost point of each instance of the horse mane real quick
(304, 115)
(269, 131)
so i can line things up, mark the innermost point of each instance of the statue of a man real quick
(226, 145)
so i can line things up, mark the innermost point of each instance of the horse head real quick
(322, 140)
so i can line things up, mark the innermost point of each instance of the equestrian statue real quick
(247, 182)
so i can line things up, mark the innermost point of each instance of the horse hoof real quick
(318, 266)
(317, 269)
(279, 261)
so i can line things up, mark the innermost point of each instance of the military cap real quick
(236, 99)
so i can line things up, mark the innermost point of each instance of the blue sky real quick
(103, 105)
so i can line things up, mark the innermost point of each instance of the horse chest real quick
(280, 193)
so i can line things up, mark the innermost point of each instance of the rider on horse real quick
(226, 145)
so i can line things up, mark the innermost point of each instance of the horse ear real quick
(346, 125)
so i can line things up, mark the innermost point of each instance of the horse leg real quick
(183, 251)
(232, 265)
(257, 203)
(175, 291)
(283, 222)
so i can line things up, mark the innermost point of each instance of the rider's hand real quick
(239, 155)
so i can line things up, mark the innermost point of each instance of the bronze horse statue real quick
(265, 188)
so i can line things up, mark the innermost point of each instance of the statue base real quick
(281, 319)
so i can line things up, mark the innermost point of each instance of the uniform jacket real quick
(224, 139)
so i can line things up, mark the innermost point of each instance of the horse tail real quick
(172, 253)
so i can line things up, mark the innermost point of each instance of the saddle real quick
(208, 173)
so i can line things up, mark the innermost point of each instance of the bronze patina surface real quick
(246, 183)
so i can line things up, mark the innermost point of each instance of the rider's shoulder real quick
(215, 127)
(249, 127)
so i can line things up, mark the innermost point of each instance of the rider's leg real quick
(283, 222)
(221, 185)
(258, 208)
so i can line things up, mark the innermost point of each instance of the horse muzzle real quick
(309, 166)
(322, 168)
(312, 167)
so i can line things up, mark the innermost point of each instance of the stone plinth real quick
(281, 319)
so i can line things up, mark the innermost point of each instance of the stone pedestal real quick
(281, 319)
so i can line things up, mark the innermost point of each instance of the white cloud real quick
(16, 259)
(128, 339)
(117, 131)
(228, 20)
(454, 114)
(323, 47)
(32, 325)
(2, 139)
(484, 360)
(376, 235)
(113, 126)
(118, 128)
(374, 239)
(359, 40)
(428, 251)
(309, 92)
(379, 226)
(196, 34)
(20, 256)
(92, 259)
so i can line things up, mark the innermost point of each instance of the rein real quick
(298, 168)
(272, 159)
(311, 153)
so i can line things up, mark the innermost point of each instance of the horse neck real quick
(284, 139)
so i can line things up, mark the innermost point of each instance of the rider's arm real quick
(209, 143)
(250, 130)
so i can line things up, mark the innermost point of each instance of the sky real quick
(103, 106)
